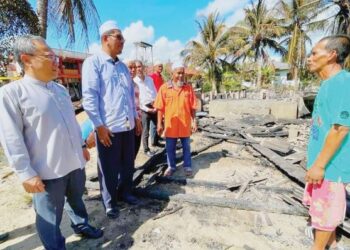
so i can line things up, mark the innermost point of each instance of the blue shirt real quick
(38, 129)
(332, 106)
(108, 93)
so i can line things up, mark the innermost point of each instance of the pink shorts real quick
(327, 203)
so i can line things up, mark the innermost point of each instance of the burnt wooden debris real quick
(221, 202)
(264, 138)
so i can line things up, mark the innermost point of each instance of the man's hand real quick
(104, 136)
(315, 175)
(160, 129)
(153, 111)
(138, 127)
(86, 154)
(90, 141)
(194, 126)
(34, 185)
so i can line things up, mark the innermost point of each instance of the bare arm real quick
(160, 127)
(194, 121)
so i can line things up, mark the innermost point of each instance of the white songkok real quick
(108, 26)
(157, 62)
(177, 65)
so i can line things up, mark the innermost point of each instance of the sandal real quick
(169, 172)
(188, 172)
(309, 232)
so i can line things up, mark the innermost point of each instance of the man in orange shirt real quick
(176, 101)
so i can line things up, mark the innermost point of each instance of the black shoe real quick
(149, 153)
(4, 237)
(158, 145)
(112, 213)
(88, 231)
(130, 199)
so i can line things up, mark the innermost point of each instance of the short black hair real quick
(339, 43)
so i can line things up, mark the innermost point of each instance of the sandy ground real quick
(191, 227)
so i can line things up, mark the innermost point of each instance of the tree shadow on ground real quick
(30, 239)
(117, 233)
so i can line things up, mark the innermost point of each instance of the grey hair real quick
(25, 45)
(130, 62)
(340, 44)
(139, 62)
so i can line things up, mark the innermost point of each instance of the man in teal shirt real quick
(329, 145)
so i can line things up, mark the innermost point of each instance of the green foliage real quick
(231, 81)
(299, 19)
(207, 87)
(208, 52)
(16, 18)
(267, 76)
(166, 73)
(70, 18)
(308, 79)
(258, 31)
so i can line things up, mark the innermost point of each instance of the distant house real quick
(282, 76)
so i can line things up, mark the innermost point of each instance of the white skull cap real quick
(177, 65)
(157, 62)
(108, 26)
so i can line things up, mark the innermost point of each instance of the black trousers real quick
(116, 166)
(137, 144)
(147, 118)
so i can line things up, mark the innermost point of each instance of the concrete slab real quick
(231, 108)
(284, 110)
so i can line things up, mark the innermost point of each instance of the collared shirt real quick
(87, 126)
(331, 107)
(177, 106)
(148, 92)
(38, 129)
(137, 99)
(108, 93)
(157, 79)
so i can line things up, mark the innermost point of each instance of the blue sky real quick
(167, 24)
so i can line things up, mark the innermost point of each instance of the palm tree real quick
(258, 31)
(16, 18)
(340, 24)
(208, 53)
(65, 15)
(299, 18)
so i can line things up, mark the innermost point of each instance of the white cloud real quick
(221, 6)
(163, 48)
(138, 32)
(238, 15)
(166, 50)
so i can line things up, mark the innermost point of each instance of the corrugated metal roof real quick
(280, 65)
(71, 54)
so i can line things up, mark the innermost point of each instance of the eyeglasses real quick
(51, 57)
(118, 37)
